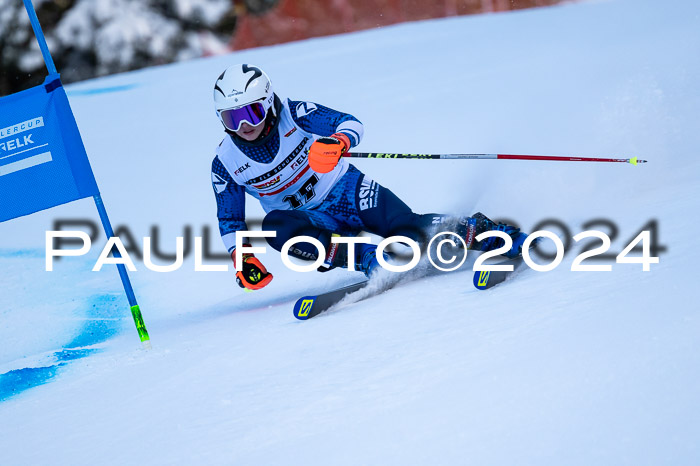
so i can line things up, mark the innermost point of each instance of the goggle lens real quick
(253, 114)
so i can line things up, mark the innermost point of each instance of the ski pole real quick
(375, 155)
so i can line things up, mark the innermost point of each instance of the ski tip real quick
(303, 306)
(481, 279)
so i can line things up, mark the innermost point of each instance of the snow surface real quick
(555, 368)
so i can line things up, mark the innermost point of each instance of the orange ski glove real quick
(253, 275)
(326, 151)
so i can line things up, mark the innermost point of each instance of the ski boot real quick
(366, 259)
(479, 223)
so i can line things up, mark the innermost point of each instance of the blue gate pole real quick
(40, 37)
(135, 310)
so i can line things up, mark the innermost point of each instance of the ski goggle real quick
(233, 118)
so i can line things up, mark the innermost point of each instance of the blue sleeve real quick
(325, 121)
(230, 204)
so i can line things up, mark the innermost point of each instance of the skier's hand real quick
(326, 151)
(253, 275)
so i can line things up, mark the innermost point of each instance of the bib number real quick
(304, 195)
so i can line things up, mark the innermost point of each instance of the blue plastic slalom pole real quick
(40, 37)
(135, 310)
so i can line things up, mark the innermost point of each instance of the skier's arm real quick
(230, 203)
(324, 121)
(339, 132)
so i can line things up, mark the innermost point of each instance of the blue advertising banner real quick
(43, 162)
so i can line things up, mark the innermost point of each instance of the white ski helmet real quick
(243, 93)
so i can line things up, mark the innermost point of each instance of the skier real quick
(288, 155)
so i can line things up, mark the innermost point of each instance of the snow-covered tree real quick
(90, 38)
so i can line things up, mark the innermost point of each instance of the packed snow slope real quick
(552, 368)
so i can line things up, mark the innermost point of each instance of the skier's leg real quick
(358, 203)
(321, 226)
(384, 214)
(366, 206)
(292, 223)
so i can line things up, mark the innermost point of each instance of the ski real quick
(311, 306)
(483, 280)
